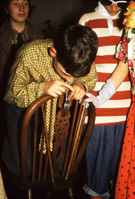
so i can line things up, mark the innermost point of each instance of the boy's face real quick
(112, 9)
(18, 10)
(61, 71)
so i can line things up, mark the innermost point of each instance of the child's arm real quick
(119, 74)
(89, 80)
(56, 88)
(84, 84)
(110, 86)
(78, 93)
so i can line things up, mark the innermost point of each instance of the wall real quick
(59, 11)
(50, 14)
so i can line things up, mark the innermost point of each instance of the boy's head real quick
(76, 50)
(10, 4)
(113, 6)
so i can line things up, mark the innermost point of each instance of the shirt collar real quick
(14, 35)
(101, 9)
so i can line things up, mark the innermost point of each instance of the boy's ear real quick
(52, 52)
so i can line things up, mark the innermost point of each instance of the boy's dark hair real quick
(76, 49)
(121, 17)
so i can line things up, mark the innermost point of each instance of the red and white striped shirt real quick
(115, 110)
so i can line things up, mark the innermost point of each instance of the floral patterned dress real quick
(125, 186)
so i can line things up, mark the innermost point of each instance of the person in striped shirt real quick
(103, 150)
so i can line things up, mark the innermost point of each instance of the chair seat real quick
(60, 182)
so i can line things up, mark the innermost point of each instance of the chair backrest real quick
(52, 143)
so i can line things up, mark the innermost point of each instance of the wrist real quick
(44, 89)
(81, 85)
(107, 90)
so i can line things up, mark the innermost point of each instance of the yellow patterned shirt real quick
(32, 68)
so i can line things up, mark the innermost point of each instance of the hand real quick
(94, 99)
(53, 52)
(104, 94)
(56, 88)
(78, 93)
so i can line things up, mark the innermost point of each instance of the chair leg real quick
(29, 194)
(48, 194)
(70, 193)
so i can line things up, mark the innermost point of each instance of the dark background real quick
(59, 11)
(48, 15)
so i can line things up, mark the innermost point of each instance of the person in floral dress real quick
(125, 186)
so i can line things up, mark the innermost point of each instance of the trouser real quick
(102, 158)
(11, 148)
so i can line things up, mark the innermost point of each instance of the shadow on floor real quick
(14, 193)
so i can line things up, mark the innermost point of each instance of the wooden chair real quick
(50, 159)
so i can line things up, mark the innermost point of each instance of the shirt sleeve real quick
(28, 76)
(23, 89)
(82, 20)
(121, 51)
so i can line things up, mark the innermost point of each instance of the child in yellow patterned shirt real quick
(36, 73)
